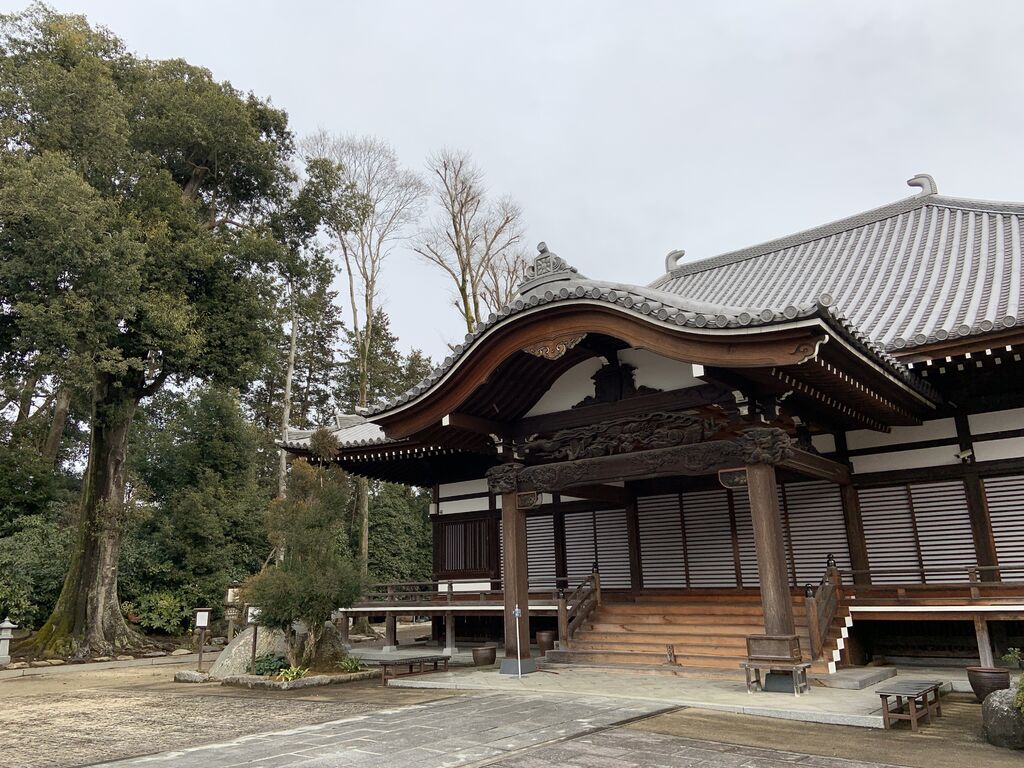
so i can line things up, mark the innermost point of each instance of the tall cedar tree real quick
(134, 203)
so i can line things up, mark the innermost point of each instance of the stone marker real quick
(234, 659)
(1001, 722)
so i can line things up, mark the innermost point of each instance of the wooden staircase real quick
(707, 631)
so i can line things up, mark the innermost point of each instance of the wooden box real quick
(783, 648)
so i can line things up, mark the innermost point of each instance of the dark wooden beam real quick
(612, 494)
(698, 459)
(818, 467)
(475, 424)
(673, 400)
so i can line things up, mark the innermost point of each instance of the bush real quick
(33, 561)
(349, 664)
(292, 673)
(1019, 700)
(164, 611)
(268, 664)
(316, 576)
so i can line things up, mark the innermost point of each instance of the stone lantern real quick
(7, 628)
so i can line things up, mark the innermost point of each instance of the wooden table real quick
(412, 663)
(798, 670)
(919, 702)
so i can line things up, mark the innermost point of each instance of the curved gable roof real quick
(917, 271)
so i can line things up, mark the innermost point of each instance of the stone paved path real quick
(520, 731)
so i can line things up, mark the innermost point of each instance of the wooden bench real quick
(798, 671)
(919, 703)
(416, 666)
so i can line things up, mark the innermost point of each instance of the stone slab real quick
(266, 683)
(93, 666)
(855, 678)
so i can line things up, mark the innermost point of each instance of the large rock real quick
(234, 659)
(1001, 721)
(331, 648)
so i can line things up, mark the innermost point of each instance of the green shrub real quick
(268, 664)
(163, 611)
(349, 664)
(1019, 701)
(292, 673)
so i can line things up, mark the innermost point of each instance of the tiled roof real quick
(351, 430)
(914, 272)
(560, 283)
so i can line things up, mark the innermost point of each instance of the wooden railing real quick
(583, 601)
(821, 606)
(973, 580)
(414, 593)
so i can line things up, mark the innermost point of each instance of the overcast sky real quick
(628, 129)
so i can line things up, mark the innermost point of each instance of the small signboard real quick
(733, 478)
(252, 614)
(202, 618)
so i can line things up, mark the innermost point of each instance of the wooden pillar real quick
(855, 534)
(984, 643)
(390, 625)
(981, 527)
(977, 506)
(771, 550)
(516, 588)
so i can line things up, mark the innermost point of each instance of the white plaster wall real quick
(929, 430)
(992, 450)
(652, 371)
(659, 372)
(481, 504)
(823, 443)
(571, 387)
(461, 489)
(996, 421)
(943, 455)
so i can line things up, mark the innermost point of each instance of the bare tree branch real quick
(473, 240)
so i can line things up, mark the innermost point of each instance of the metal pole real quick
(202, 642)
(519, 649)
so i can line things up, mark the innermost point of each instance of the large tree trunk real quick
(87, 619)
(61, 406)
(286, 405)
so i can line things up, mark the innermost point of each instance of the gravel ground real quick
(87, 718)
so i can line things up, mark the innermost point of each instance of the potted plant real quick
(1014, 657)
(985, 680)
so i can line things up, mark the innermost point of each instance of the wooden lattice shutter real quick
(662, 555)
(889, 533)
(580, 553)
(613, 549)
(708, 533)
(1006, 509)
(745, 538)
(943, 529)
(817, 528)
(540, 549)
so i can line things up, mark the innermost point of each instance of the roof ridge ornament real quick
(547, 267)
(925, 182)
(673, 258)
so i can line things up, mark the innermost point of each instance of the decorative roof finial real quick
(673, 258)
(547, 266)
(925, 182)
